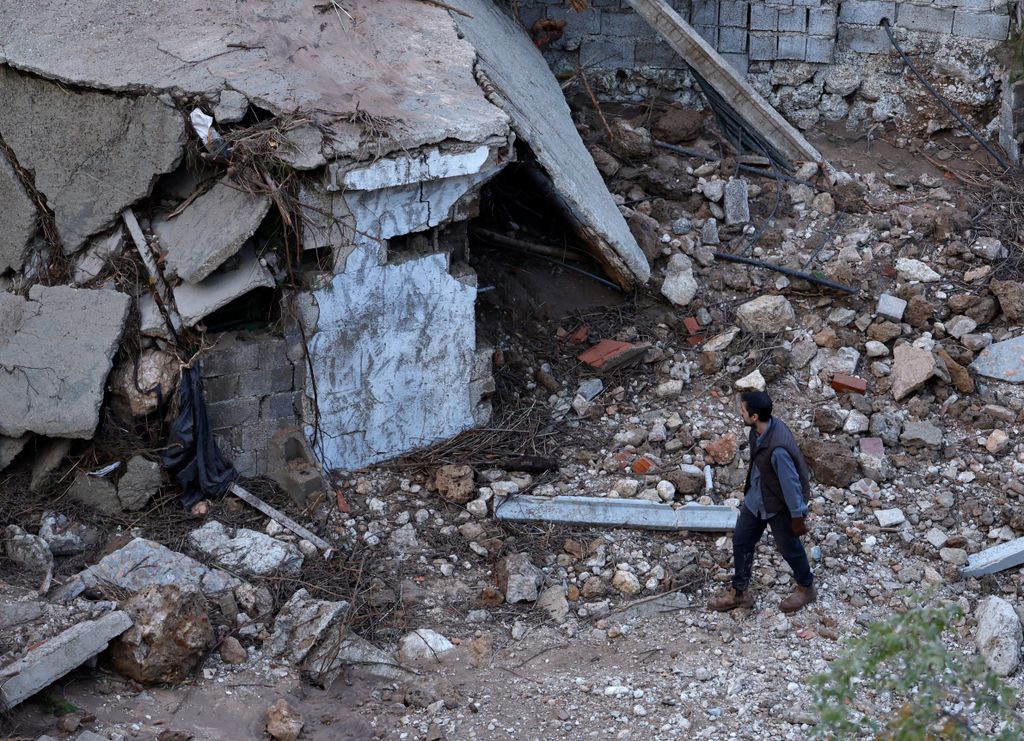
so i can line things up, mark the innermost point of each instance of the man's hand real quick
(799, 526)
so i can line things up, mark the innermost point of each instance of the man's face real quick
(747, 418)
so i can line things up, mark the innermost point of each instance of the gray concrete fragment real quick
(10, 447)
(54, 372)
(143, 563)
(48, 457)
(303, 148)
(197, 301)
(91, 154)
(531, 96)
(94, 258)
(246, 552)
(46, 664)
(96, 493)
(64, 537)
(139, 483)
(598, 511)
(737, 205)
(18, 218)
(646, 608)
(1003, 361)
(300, 624)
(210, 230)
(995, 559)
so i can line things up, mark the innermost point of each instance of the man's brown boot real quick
(798, 598)
(730, 599)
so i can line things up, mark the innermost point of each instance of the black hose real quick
(938, 97)
(730, 257)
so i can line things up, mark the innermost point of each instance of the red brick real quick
(843, 383)
(609, 354)
(691, 324)
(579, 336)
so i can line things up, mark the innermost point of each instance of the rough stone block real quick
(732, 40)
(732, 13)
(762, 46)
(863, 39)
(820, 50)
(925, 18)
(704, 13)
(866, 12)
(234, 412)
(708, 33)
(606, 53)
(981, 25)
(763, 17)
(821, 22)
(792, 46)
(54, 371)
(793, 20)
(92, 154)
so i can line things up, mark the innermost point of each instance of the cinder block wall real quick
(609, 35)
(253, 390)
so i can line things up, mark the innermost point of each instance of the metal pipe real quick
(729, 257)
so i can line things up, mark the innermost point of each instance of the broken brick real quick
(842, 382)
(691, 324)
(607, 355)
(643, 465)
(580, 334)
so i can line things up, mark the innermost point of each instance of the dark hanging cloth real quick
(192, 455)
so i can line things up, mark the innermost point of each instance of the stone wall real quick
(253, 387)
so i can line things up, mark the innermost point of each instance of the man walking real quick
(776, 495)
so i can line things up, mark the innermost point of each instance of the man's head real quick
(755, 406)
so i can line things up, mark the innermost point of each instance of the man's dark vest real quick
(778, 436)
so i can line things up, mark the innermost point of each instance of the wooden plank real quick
(607, 512)
(729, 83)
(282, 518)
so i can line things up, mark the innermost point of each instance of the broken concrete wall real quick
(787, 48)
(252, 387)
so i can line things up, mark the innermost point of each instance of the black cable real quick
(730, 257)
(824, 240)
(938, 97)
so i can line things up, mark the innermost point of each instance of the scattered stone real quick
(921, 434)
(403, 541)
(831, 464)
(65, 537)
(284, 723)
(1003, 361)
(233, 652)
(890, 517)
(553, 601)
(628, 141)
(54, 372)
(140, 482)
(246, 552)
(989, 248)
(679, 285)
(455, 483)
(722, 451)
(96, 493)
(751, 382)
(999, 635)
(766, 315)
(29, 552)
(155, 370)
(912, 368)
(625, 582)
(709, 232)
(997, 442)
(955, 556)
(737, 205)
(517, 578)
(678, 125)
(910, 269)
(423, 644)
(170, 634)
(302, 623)
(960, 376)
(1010, 294)
(958, 326)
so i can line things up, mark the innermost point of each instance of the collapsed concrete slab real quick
(195, 301)
(91, 154)
(49, 662)
(53, 372)
(210, 230)
(528, 92)
(18, 218)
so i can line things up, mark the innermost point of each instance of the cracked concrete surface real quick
(56, 349)
(17, 218)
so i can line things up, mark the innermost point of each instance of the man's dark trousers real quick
(749, 529)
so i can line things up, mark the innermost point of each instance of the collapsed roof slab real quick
(56, 350)
(529, 93)
(385, 75)
(91, 154)
(199, 300)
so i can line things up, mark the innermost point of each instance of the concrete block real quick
(763, 18)
(44, 665)
(587, 22)
(924, 18)
(231, 355)
(273, 352)
(866, 12)
(626, 24)
(997, 558)
(807, 3)
(793, 20)
(792, 46)
(278, 406)
(656, 54)
(291, 464)
(863, 39)
(981, 25)
(733, 13)
(820, 50)
(704, 13)
(762, 46)
(262, 382)
(732, 40)
(220, 388)
(709, 34)
(739, 62)
(821, 22)
(606, 53)
(232, 413)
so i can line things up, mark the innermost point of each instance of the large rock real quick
(678, 125)
(143, 563)
(155, 372)
(1009, 292)
(517, 578)
(210, 230)
(911, 369)
(921, 434)
(54, 370)
(246, 552)
(18, 218)
(301, 623)
(831, 464)
(1003, 361)
(284, 723)
(679, 285)
(999, 635)
(171, 632)
(910, 269)
(423, 644)
(91, 154)
(455, 483)
(766, 315)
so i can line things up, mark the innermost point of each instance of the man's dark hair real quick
(759, 403)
